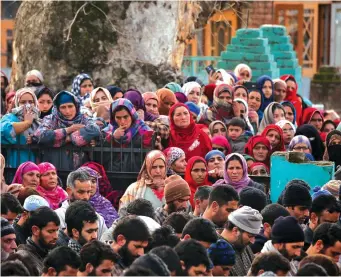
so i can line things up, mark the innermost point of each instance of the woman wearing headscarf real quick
(100, 97)
(167, 100)
(292, 96)
(249, 160)
(45, 100)
(18, 126)
(259, 169)
(266, 86)
(9, 101)
(151, 102)
(224, 77)
(194, 110)
(333, 148)
(259, 148)
(150, 181)
(242, 111)
(236, 174)
(218, 128)
(275, 135)
(196, 175)
(185, 134)
(193, 92)
(255, 101)
(315, 140)
(290, 112)
(48, 186)
(289, 131)
(82, 86)
(215, 165)
(243, 72)
(34, 78)
(100, 204)
(222, 144)
(176, 161)
(240, 92)
(273, 113)
(300, 143)
(328, 126)
(27, 174)
(313, 117)
(174, 87)
(115, 92)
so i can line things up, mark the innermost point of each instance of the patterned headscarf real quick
(95, 105)
(76, 85)
(19, 110)
(172, 155)
(268, 117)
(299, 139)
(23, 169)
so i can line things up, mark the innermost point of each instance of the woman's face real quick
(204, 99)
(259, 171)
(25, 99)
(267, 89)
(280, 92)
(86, 87)
(207, 132)
(123, 119)
(291, 86)
(93, 181)
(279, 115)
(179, 166)
(31, 179)
(45, 103)
(240, 93)
(328, 128)
(167, 104)
(199, 172)
(274, 138)
(118, 95)
(288, 133)
(301, 147)
(100, 96)
(68, 110)
(244, 75)
(219, 130)
(316, 121)
(158, 170)
(289, 115)
(181, 117)
(255, 100)
(216, 162)
(225, 97)
(194, 95)
(335, 141)
(49, 180)
(235, 170)
(249, 163)
(260, 152)
(152, 107)
(32, 80)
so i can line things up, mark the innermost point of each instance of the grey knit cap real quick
(247, 219)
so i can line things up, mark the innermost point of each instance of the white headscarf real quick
(282, 122)
(36, 73)
(187, 88)
(227, 78)
(242, 67)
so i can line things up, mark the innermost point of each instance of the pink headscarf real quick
(23, 169)
(222, 141)
(54, 196)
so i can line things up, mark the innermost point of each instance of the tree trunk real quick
(131, 44)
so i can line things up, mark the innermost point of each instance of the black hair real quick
(77, 213)
(277, 106)
(223, 194)
(272, 211)
(137, 270)
(229, 225)
(169, 257)
(141, 206)
(236, 121)
(325, 202)
(154, 262)
(269, 261)
(200, 229)
(14, 268)
(61, 257)
(311, 269)
(192, 253)
(9, 203)
(329, 233)
(328, 122)
(118, 109)
(31, 262)
(95, 252)
(41, 217)
(177, 220)
(127, 227)
(202, 193)
(326, 262)
(164, 235)
(44, 90)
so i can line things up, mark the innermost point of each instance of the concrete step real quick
(249, 33)
(269, 29)
(250, 41)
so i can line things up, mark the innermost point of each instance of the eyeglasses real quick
(299, 148)
(218, 148)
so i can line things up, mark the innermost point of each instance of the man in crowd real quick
(222, 256)
(177, 194)
(287, 239)
(61, 261)
(201, 200)
(269, 262)
(8, 244)
(81, 223)
(97, 259)
(177, 221)
(222, 201)
(10, 207)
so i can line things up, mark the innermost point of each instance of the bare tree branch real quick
(74, 19)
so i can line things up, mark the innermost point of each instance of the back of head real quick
(177, 220)
(236, 121)
(127, 227)
(164, 236)
(200, 229)
(202, 193)
(169, 257)
(222, 195)
(41, 217)
(325, 262)
(138, 271)
(273, 211)
(311, 269)
(325, 202)
(9, 203)
(328, 233)
(30, 261)
(153, 262)
(142, 207)
(269, 261)
(14, 268)
(252, 197)
(222, 253)
(286, 230)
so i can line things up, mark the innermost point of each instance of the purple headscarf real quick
(181, 97)
(101, 204)
(243, 182)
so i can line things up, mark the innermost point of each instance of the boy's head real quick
(235, 128)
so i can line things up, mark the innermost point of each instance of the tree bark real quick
(131, 44)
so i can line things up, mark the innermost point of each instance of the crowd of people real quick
(195, 208)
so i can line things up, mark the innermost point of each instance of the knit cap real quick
(193, 107)
(222, 253)
(286, 230)
(176, 188)
(318, 191)
(34, 202)
(333, 186)
(252, 197)
(6, 227)
(247, 219)
(296, 194)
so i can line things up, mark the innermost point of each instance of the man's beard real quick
(45, 245)
(82, 240)
(127, 257)
(284, 252)
(172, 208)
(239, 244)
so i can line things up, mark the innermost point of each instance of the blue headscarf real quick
(193, 107)
(76, 86)
(260, 83)
(212, 153)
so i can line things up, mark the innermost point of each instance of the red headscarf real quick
(256, 164)
(308, 114)
(293, 98)
(188, 177)
(222, 141)
(280, 146)
(253, 141)
(192, 140)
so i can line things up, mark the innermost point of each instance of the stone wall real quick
(259, 13)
